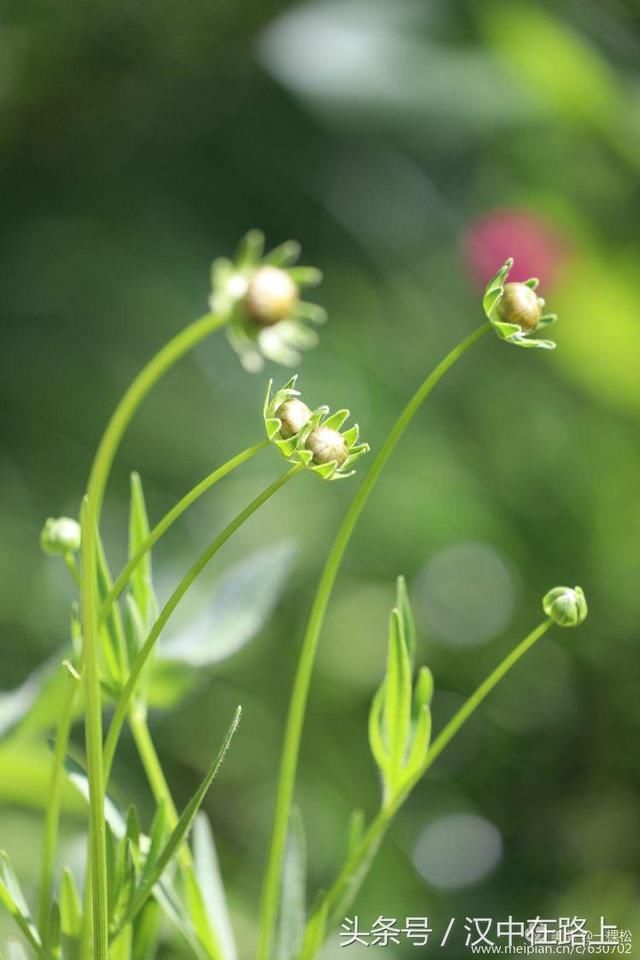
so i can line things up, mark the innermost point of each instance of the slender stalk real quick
(297, 707)
(122, 707)
(151, 763)
(340, 895)
(54, 798)
(167, 356)
(170, 518)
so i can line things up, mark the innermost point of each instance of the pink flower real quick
(537, 247)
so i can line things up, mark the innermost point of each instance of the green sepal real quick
(284, 255)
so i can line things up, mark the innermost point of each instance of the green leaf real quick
(112, 631)
(406, 615)
(120, 949)
(291, 919)
(315, 932)
(141, 579)
(145, 931)
(243, 599)
(207, 870)
(12, 898)
(182, 828)
(70, 906)
(15, 704)
(356, 831)
(52, 940)
(398, 697)
(421, 719)
(376, 738)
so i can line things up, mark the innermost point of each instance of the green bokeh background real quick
(137, 142)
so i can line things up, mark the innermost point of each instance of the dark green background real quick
(139, 141)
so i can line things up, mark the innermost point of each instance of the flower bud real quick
(520, 304)
(565, 606)
(59, 536)
(294, 414)
(271, 295)
(327, 446)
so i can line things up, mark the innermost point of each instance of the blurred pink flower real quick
(538, 248)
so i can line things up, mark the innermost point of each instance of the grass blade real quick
(182, 827)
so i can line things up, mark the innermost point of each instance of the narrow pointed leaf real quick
(209, 878)
(141, 578)
(406, 615)
(70, 906)
(12, 898)
(376, 739)
(291, 920)
(182, 827)
(315, 933)
(356, 831)
(398, 696)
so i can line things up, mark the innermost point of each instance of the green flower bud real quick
(566, 606)
(515, 310)
(313, 438)
(294, 414)
(60, 536)
(327, 446)
(260, 294)
(271, 295)
(520, 304)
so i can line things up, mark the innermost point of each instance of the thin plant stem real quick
(54, 798)
(151, 763)
(166, 357)
(170, 518)
(123, 704)
(300, 693)
(340, 895)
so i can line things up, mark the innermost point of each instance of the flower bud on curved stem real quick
(566, 606)
(60, 536)
(515, 310)
(313, 438)
(259, 295)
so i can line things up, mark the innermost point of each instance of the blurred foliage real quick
(138, 142)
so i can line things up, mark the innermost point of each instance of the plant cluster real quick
(135, 878)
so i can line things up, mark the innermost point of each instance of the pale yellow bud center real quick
(327, 445)
(520, 304)
(271, 295)
(293, 415)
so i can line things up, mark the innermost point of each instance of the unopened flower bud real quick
(271, 295)
(60, 535)
(566, 606)
(327, 445)
(520, 304)
(293, 415)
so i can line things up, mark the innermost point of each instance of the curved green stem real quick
(54, 798)
(122, 706)
(340, 895)
(170, 518)
(143, 383)
(295, 719)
